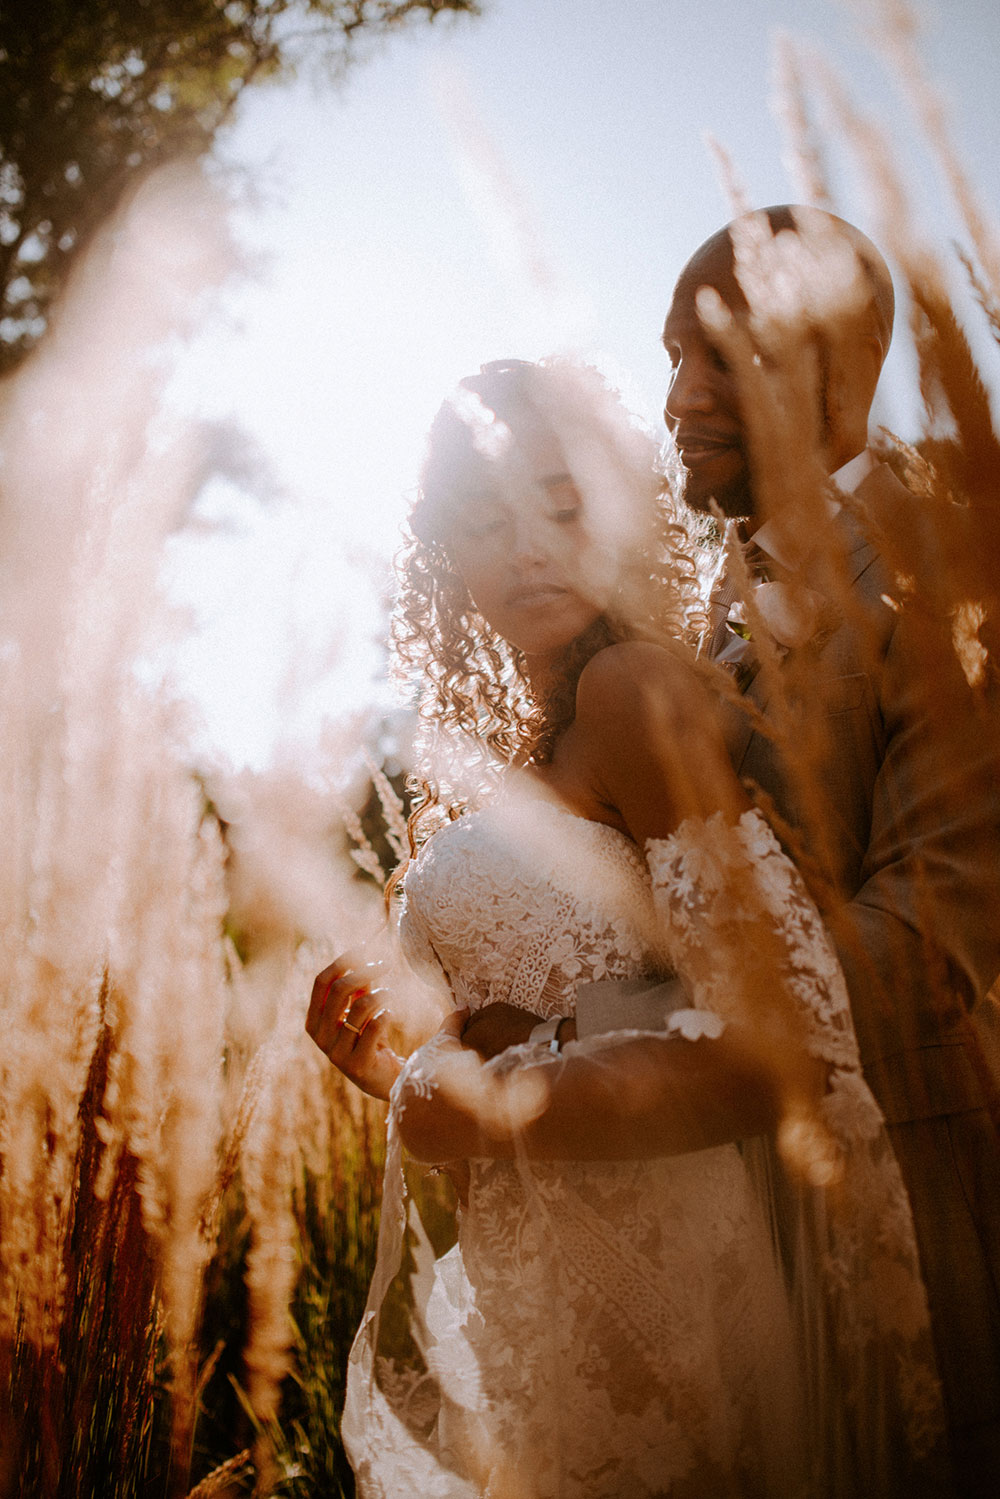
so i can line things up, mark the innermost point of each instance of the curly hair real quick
(468, 679)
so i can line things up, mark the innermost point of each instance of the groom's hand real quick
(495, 1027)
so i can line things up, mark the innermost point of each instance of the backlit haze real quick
(526, 183)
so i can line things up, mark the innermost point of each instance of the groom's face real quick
(702, 408)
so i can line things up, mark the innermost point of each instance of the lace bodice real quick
(523, 900)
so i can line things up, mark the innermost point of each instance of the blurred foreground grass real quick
(91, 1415)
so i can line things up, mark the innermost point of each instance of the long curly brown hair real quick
(470, 684)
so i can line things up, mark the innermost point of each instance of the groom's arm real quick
(920, 940)
(608, 1099)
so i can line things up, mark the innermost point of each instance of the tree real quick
(94, 93)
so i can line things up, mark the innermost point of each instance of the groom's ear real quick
(851, 372)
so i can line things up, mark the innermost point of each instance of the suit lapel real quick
(737, 728)
(858, 553)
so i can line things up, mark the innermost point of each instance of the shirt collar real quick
(845, 479)
(852, 474)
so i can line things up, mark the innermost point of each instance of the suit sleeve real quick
(920, 940)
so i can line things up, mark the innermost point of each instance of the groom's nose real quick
(691, 391)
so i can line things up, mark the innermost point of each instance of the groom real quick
(897, 822)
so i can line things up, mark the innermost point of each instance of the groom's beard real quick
(735, 500)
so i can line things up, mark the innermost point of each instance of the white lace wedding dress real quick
(622, 1330)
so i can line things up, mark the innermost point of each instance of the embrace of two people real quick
(710, 889)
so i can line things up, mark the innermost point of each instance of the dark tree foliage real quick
(94, 93)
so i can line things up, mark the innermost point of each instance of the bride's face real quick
(520, 539)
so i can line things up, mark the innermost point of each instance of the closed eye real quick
(484, 516)
(564, 496)
(475, 530)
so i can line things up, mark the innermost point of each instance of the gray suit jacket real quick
(900, 815)
(900, 818)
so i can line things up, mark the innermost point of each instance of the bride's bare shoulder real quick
(647, 728)
(634, 679)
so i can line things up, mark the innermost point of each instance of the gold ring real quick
(349, 1027)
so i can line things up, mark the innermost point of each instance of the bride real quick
(635, 1305)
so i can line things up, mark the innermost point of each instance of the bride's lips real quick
(532, 595)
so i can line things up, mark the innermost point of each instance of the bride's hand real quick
(497, 1026)
(349, 1019)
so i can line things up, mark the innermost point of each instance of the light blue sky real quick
(385, 276)
(599, 113)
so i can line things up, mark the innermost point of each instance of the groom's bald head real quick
(714, 261)
(846, 302)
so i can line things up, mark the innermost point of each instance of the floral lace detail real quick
(605, 1330)
(522, 900)
(720, 887)
(723, 886)
(598, 1330)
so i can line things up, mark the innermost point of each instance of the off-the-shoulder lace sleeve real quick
(731, 901)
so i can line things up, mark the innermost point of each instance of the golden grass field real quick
(189, 1193)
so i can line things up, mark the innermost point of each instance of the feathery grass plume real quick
(78, 532)
(863, 135)
(735, 190)
(972, 653)
(286, 873)
(965, 520)
(285, 1142)
(893, 28)
(165, 1098)
(794, 285)
(238, 1118)
(947, 365)
(93, 1400)
(951, 603)
(223, 1480)
(105, 855)
(363, 853)
(339, 1145)
(393, 811)
(949, 372)
(129, 1024)
(60, 698)
(989, 304)
(952, 386)
(540, 294)
(803, 156)
(268, 1169)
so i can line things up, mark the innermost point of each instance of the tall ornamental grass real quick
(187, 1192)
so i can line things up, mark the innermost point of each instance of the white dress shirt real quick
(726, 645)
